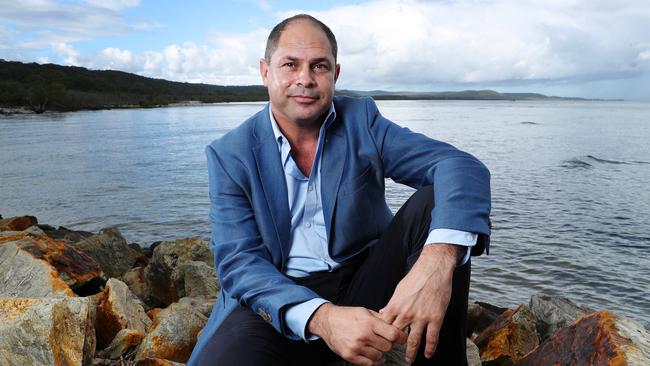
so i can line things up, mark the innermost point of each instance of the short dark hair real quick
(274, 36)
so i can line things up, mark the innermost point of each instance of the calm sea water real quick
(569, 182)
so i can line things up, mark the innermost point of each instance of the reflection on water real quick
(570, 203)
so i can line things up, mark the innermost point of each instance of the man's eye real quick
(321, 67)
(288, 65)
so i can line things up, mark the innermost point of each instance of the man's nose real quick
(305, 76)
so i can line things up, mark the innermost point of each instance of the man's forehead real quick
(303, 36)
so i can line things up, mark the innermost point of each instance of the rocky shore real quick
(79, 298)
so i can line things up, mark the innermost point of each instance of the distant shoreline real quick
(8, 111)
(43, 88)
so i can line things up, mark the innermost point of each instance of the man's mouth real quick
(304, 98)
(302, 95)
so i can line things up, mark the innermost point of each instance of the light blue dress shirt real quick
(309, 250)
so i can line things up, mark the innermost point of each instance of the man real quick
(311, 262)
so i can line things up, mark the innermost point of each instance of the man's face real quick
(301, 74)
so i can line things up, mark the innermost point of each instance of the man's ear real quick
(264, 70)
(337, 71)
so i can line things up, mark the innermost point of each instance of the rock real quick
(18, 223)
(79, 271)
(31, 231)
(62, 233)
(157, 362)
(473, 356)
(141, 257)
(46, 331)
(395, 356)
(200, 280)
(153, 313)
(110, 250)
(512, 335)
(164, 273)
(23, 275)
(173, 334)
(134, 278)
(553, 313)
(480, 315)
(125, 340)
(118, 308)
(202, 304)
(600, 338)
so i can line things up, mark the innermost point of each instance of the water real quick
(570, 203)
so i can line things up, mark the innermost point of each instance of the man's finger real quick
(380, 343)
(390, 333)
(400, 322)
(413, 342)
(372, 354)
(432, 340)
(387, 315)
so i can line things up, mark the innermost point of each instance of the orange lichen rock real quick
(75, 268)
(172, 334)
(153, 314)
(14, 236)
(125, 340)
(117, 309)
(512, 335)
(18, 223)
(46, 331)
(23, 275)
(77, 265)
(598, 339)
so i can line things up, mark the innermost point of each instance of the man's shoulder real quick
(242, 137)
(356, 113)
(345, 105)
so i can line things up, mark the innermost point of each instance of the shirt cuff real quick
(298, 315)
(456, 237)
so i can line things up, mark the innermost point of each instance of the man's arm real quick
(244, 264)
(421, 298)
(461, 185)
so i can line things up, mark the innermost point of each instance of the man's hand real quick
(356, 334)
(421, 298)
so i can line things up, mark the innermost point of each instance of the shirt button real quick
(307, 225)
(310, 187)
(470, 237)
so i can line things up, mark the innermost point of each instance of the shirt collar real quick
(280, 138)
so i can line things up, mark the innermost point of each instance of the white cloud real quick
(44, 22)
(71, 56)
(408, 44)
(264, 5)
(116, 58)
(114, 4)
(230, 60)
(392, 44)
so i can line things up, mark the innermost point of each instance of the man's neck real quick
(303, 139)
(299, 133)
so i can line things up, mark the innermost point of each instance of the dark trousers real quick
(245, 338)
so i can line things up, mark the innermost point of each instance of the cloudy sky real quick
(587, 48)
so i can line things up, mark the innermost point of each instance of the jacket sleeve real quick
(243, 263)
(461, 183)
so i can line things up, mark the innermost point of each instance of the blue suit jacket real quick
(250, 215)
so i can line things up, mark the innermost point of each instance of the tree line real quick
(68, 88)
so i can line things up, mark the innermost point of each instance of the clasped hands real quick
(419, 303)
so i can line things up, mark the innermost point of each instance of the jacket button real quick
(266, 316)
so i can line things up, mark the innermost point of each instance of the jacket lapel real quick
(333, 161)
(269, 167)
